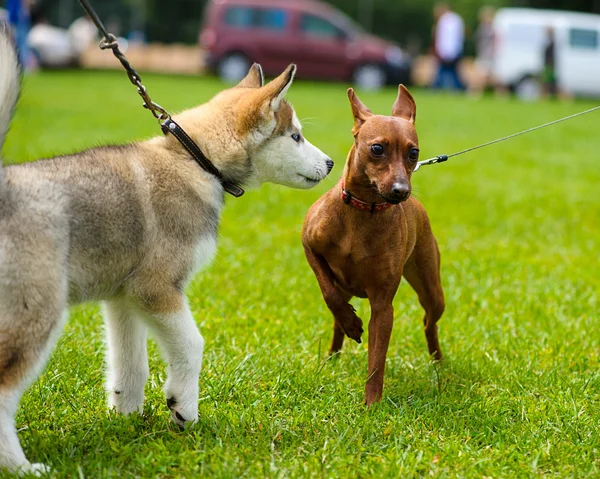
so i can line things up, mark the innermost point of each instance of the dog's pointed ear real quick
(276, 90)
(359, 110)
(405, 106)
(254, 79)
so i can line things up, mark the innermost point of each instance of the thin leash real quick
(167, 124)
(442, 158)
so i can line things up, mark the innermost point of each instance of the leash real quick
(442, 158)
(167, 124)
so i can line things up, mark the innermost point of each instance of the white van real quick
(521, 34)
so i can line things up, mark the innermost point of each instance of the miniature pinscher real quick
(367, 232)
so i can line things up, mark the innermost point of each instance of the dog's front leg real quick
(380, 331)
(183, 346)
(127, 357)
(345, 317)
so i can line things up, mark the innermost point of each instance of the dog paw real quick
(180, 416)
(37, 469)
(125, 403)
(40, 469)
(351, 324)
(373, 392)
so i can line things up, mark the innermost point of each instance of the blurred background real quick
(532, 48)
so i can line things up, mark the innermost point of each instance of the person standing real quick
(484, 45)
(448, 43)
(18, 16)
(549, 80)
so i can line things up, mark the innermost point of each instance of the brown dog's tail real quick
(10, 76)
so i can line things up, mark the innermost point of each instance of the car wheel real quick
(233, 67)
(528, 89)
(369, 77)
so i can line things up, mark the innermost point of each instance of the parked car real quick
(520, 37)
(322, 41)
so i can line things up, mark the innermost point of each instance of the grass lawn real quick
(518, 226)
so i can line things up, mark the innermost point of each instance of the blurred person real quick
(20, 21)
(51, 44)
(57, 47)
(448, 42)
(549, 80)
(82, 33)
(484, 47)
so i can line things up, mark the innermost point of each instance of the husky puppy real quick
(129, 225)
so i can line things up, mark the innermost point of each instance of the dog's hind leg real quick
(337, 341)
(12, 456)
(29, 326)
(33, 300)
(171, 321)
(127, 357)
(338, 333)
(423, 273)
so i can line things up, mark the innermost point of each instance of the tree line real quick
(408, 22)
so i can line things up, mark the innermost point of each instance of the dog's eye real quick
(297, 137)
(414, 154)
(377, 149)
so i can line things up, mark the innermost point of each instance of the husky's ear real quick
(254, 79)
(276, 90)
(359, 110)
(405, 106)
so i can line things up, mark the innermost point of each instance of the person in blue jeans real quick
(448, 41)
(18, 16)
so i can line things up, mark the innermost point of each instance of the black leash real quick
(167, 124)
(442, 158)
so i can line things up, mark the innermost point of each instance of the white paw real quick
(40, 469)
(181, 413)
(182, 400)
(37, 469)
(125, 404)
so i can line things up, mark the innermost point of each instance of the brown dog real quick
(359, 245)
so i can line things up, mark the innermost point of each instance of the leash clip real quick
(431, 161)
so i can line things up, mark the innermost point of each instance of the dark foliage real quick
(179, 21)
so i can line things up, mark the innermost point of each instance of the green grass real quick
(518, 226)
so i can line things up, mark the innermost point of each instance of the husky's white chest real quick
(204, 252)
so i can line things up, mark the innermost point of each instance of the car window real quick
(524, 33)
(241, 17)
(266, 18)
(271, 18)
(319, 27)
(585, 39)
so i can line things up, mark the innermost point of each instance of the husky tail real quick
(9, 83)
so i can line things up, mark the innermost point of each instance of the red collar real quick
(363, 205)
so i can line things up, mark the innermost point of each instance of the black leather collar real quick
(170, 126)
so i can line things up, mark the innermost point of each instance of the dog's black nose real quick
(401, 191)
(329, 165)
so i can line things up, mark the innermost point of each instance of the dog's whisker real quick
(417, 193)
